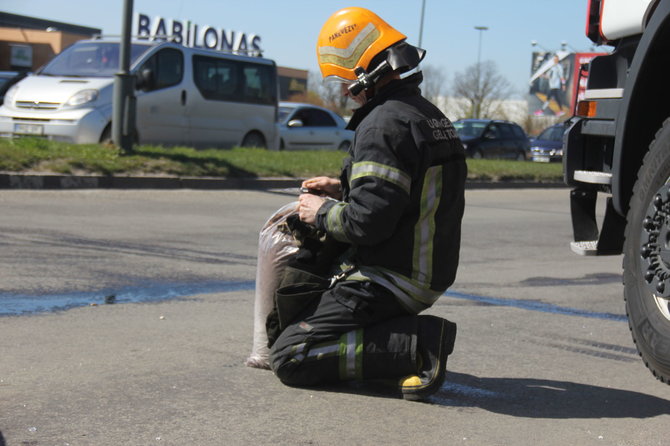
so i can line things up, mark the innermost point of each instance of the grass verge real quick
(39, 155)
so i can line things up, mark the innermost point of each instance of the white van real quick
(185, 96)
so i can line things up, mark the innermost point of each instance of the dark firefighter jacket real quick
(403, 187)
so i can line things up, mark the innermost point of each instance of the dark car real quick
(548, 146)
(492, 138)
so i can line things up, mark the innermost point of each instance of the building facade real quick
(27, 43)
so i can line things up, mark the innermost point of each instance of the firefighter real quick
(398, 203)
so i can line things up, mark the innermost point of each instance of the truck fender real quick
(636, 125)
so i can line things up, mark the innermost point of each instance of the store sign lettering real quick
(191, 35)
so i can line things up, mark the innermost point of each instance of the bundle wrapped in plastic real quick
(276, 247)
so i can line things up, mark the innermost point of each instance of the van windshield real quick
(90, 59)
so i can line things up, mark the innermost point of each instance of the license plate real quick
(539, 159)
(29, 129)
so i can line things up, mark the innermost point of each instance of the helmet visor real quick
(332, 79)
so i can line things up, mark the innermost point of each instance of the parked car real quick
(489, 138)
(307, 127)
(548, 146)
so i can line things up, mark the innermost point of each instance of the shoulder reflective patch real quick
(348, 57)
(388, 173)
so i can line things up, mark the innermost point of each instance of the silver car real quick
(309, 127)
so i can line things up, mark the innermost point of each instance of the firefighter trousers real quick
(353, 331)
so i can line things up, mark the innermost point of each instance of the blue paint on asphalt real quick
(462, 391)
(17, 304)
(537, 306)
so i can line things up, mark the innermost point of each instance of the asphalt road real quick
(544, 355)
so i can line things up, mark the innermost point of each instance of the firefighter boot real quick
(435, 342)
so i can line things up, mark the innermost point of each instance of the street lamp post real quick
(123, 101)
(478, 105)
(423, 9)
(481, 29)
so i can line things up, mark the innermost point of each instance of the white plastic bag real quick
(276, 246)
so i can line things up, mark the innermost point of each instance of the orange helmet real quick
(351, 38)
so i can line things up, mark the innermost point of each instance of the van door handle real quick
(183, 97)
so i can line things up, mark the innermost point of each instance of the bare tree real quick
(325, 93)
(434, 84)
(482, 90)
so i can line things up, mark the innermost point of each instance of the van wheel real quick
(106, 137)
(254, 139)
(477, 155)
(521, 156)
(281, 144)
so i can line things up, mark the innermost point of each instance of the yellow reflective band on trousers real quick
(334, 225)
(351, 355)
(323, 350)
(348, 349)
(297, 352)
(348, 57)
(387, 173)
(424, 232)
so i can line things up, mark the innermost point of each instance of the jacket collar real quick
(398, 87)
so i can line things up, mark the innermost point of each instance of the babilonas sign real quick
(191, 35)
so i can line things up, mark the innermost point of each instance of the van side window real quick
(230, 80)
(167, 67)
(258, 84)
(216, 79)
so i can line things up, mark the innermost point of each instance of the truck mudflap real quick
(588, 240)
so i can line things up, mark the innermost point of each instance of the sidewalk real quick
(55, 181)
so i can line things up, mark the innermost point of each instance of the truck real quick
(617, 146)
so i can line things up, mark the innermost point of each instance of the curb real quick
(53, 181)
(50, 181)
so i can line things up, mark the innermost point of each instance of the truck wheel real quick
(647, 258)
